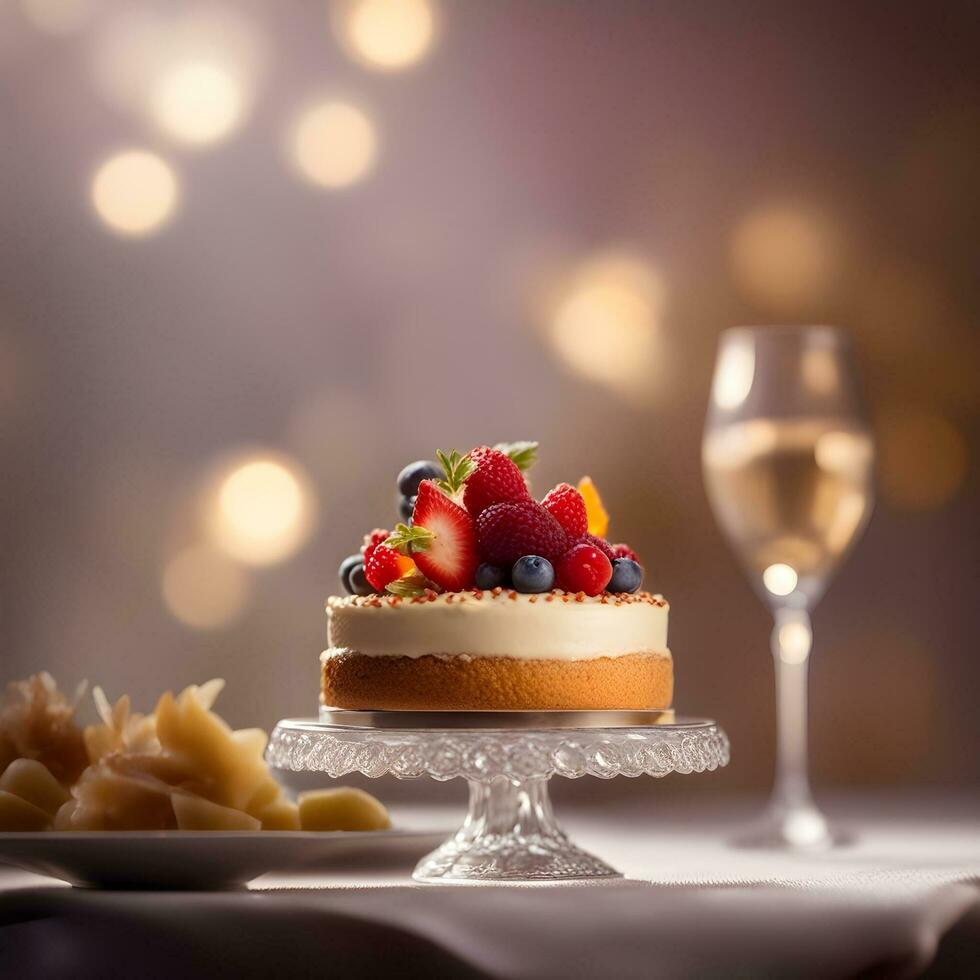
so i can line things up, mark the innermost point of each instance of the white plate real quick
(203, 859)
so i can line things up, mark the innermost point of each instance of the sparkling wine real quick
(791, 495)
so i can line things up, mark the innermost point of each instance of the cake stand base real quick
(510, 832)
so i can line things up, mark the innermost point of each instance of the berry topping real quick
(533, 574)
(566, 505)
(413, 474)
(507, 531)
(584, 569)
(601, 543)
(490, 576)
(345, 569)
(469, 520)
(495, 478)
(598, 518)
(359, 585)
(385, 565)
(627, 575)
(372, 540)
(406, 507)
(625, 551)
(441, 540)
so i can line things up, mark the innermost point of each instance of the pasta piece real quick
(195, 813)
(281, 815)
(33, 782)
(18, 815)
(342, 808)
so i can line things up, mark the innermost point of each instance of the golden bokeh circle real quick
(923, 458)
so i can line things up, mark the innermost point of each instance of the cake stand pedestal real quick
(510, 832)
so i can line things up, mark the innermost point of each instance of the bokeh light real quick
(819, 369)
(784, 258)
(203, 588)
(923, 458)
(134, 192)
(900, 309)
(191, 71)
(388, 35)
(606, 320)
(780, 579)
(334, 144)
(734, 373)
(795, 639)
(197, 102)
(261, 508)
(844, 452)
(58, 16)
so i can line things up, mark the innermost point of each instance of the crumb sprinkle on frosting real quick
(497, 595)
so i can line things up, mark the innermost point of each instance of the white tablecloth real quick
(692, 906)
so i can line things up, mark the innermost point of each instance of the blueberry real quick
(627, 576)
(405, 507)
(533, 574)
(345, 569)
(413, 474)
(359, 585)
(489, 576)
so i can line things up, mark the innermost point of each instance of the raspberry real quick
(384, 565)
(584, 568)
(372, 540)
(567, 506)
(495, 478)
(601, 543)
(510, 530)
(625, 551)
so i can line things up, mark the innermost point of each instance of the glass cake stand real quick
(510, 832)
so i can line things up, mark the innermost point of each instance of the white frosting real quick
(520, 626)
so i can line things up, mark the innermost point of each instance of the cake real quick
(485, 599)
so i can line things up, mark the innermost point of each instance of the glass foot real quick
(510, 834)
(801, 828)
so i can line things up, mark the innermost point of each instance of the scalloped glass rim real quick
(482, 756)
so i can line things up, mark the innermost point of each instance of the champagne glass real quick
(787, 457)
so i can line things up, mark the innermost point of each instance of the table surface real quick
(690, 906)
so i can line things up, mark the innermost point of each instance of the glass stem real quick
(791, 642)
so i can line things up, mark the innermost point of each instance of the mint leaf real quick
(409, 585)
(522, 453)
(407, 540)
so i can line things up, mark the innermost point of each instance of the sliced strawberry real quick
(449, 558)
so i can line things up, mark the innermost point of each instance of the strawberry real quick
(584, 568)
(509, 530)
(494, 478)
(567, 506)
(441, 540)
(384, 565)
(625, 551)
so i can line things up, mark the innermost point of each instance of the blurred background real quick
(256, 257)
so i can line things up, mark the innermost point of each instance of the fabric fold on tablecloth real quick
(691, 906)
(629, 929)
